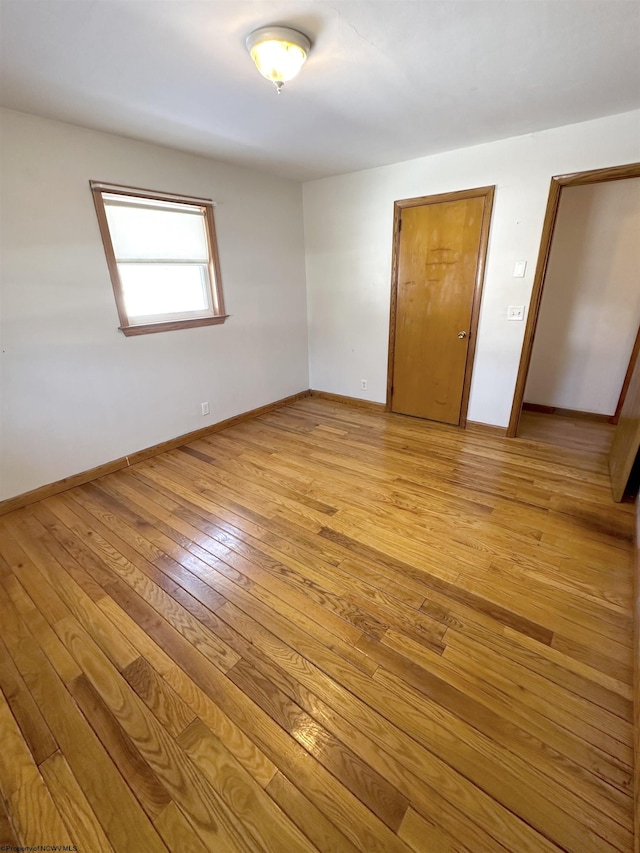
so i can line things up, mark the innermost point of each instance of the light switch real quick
(515, 312)
(519, 270)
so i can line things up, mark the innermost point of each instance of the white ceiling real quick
(386, 80)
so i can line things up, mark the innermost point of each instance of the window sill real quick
(150, 328)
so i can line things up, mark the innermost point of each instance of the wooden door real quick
(626, 439)
(439, 266)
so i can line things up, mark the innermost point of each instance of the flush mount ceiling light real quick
(278, 52)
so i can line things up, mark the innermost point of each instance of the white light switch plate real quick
(519, 269)
(515, 312)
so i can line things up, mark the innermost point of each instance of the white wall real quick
(591, 303)
(75, 392)
(348, 230)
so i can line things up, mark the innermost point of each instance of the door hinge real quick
(400, 224)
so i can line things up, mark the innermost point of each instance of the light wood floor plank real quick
(73, 806)
(108, 794)
(326, 629)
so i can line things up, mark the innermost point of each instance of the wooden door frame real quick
(627, 379)
(487, 193)
(558, 183)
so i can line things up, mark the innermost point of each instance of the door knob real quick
(462, 335)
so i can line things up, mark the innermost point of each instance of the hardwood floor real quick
(325, 629)
(572, 433)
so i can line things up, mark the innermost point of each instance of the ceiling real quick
(386, 80)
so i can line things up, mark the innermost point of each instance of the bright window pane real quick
(151, 289)
(146, 233)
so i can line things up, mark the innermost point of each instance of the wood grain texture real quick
(371, 405)
(7, 834)
(422, 835)
(437, 269)
(170, 772)
(159, 697)
(399, 258)
(636, 685)
(42, 492)
(626, 439)
(36, 817)
(34, 729)
(108, 794)
(568, 432)
(633, 360)
(320, 830)
(17, 766)
(329, 628)
(76, 812)
(144, 783)
(246, 799)
(176, 831)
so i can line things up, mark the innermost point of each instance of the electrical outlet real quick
(204, 408)
(515, 312)
(364, 384)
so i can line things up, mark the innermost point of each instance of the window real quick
(162, 256)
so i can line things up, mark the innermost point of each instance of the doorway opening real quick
(581, 342)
